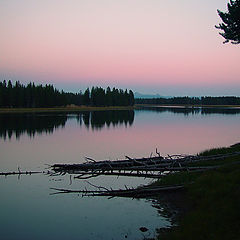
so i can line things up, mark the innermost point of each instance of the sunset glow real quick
(165, 47)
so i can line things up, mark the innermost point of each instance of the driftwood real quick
(112, 173)
(128, 192)
(19, 172)
(151, 167)
(127, 164)
(146, 173)
(120, 164)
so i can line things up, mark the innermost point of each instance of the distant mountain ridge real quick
(140, 95)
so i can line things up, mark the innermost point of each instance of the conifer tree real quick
(109, 97)
(86, 97)
(18, 95)
(231, 22)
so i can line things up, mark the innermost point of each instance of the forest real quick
(228, 100)
(34, 96)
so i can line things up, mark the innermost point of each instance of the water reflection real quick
(224, 111)
(192, 111)
(99, 119)
(112, 219)
(32, 124)
(39, 123)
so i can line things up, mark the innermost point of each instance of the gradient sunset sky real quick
(149, 46)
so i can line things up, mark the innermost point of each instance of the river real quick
(35, 141)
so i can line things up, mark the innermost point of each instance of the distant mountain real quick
(140, 95)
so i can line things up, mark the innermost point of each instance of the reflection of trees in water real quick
(32, 124)
(232, 111)
(19, 124)
(188, 111)
(182, 110)
(100, 119)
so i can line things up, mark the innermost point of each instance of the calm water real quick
(32, 141)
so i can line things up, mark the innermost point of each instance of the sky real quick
(150, 46)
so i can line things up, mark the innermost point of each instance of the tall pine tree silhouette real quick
(231, 22)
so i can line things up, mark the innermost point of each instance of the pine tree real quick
(86, 97)
(131, 98)
(109, 97)
(231, 22)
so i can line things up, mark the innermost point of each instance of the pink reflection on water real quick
(169, 133)
(188, 135)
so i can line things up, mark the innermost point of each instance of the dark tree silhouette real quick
(86, 97)
(17, 95)
(191, 100)
(231, 22)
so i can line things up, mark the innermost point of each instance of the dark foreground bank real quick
(209, 205)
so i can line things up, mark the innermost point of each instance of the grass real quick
(216, 212)
(63, 109)
(180, 178)
(223, 150)
(215, 197)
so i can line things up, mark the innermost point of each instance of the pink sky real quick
(165, 47)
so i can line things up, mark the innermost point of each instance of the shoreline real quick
(108, 108)
(186, 106)
(210, 200)
(64, 109)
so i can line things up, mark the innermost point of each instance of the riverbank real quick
(213, 197)
(63, 109)
(108, 108)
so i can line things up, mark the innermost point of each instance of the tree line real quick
(18, 95)
(191, 100)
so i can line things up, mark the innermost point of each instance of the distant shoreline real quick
(64, 109)
(186, 106)
(108, 108)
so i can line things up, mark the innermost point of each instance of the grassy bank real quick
(214, 196)
(62, 109)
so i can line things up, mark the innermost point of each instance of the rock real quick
(143, 229)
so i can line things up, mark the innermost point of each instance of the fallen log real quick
(129, 163)
(132, 192)
(126, 174)
(152, 167)
(19, 173)
(147, 172)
